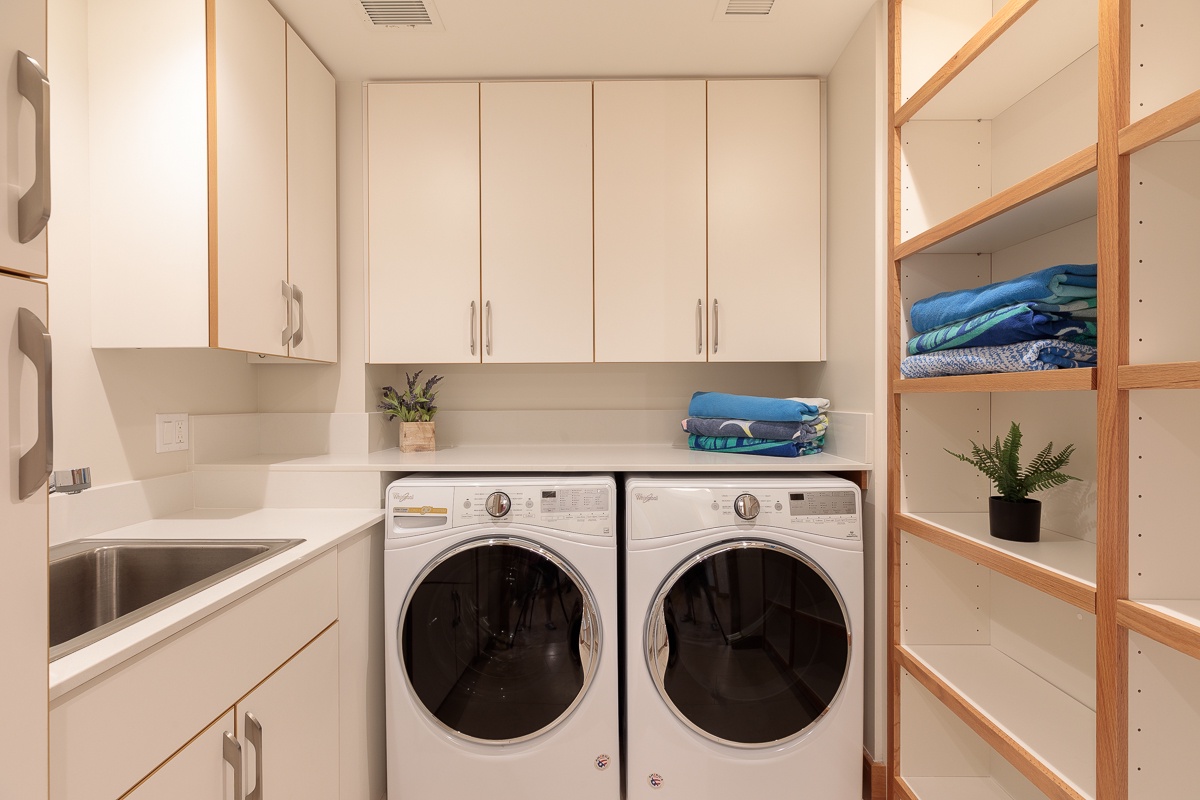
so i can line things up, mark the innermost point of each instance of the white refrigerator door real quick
(23, 559)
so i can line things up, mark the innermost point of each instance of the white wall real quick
(855, 329)
(105, 401)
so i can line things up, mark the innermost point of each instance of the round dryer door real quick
(499, 639)
(748, 642)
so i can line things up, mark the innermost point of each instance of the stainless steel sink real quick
(98, 586)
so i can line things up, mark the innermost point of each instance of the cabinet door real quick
(23, 29)
(289, 726)
(423, 223)
(23, 605)
(248, 255)
(312, 203)
(765, 282)
(536, 212)
(199, 771)
(650, 220)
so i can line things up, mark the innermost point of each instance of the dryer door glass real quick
(748, 642)
(499, 639)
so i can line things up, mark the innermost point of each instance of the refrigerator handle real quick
(37, 464)
(33, 209)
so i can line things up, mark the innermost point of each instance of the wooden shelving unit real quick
(1068, 668)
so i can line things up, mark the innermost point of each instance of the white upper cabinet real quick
(199, 208)
(765, 281)
(24, 138)
(423, 223)
(536, 221)
(311, 203)
(651, 259)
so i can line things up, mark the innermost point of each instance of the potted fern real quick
(415, 409)
(1012, 514)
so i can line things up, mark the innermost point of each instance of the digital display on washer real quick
(822, 504)
(586, 499)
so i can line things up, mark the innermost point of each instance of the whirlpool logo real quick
(403, 497)
(644, 498)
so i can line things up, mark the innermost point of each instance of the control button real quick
(716, 506)
(529, 504)
(778, 506)
(467, 504)
(498, 504)
(746, 506)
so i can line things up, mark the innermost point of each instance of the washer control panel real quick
(578, 508)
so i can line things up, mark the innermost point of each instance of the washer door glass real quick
(748, 642)
(499, 639)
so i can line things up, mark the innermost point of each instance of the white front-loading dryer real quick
(744, 604)
(500, 614)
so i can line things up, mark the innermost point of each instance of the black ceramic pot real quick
(1015, 520)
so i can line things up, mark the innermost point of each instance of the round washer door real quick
(499, 639)
(748, 642)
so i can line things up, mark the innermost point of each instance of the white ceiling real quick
(489, 39)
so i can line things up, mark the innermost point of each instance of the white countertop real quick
(321, 529)
(543, 458)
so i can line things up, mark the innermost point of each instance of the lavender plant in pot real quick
(415, 409)
(1012, 514)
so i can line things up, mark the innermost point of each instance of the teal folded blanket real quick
(739, 406)
(1061, 284)
(1017, 323)
(757, 447)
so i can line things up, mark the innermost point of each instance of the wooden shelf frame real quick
(1050, 380)
(1042, 775)
(1166, 122)
(1058, 175)
(1176, 632)
(1178, 375)
(1073, 590)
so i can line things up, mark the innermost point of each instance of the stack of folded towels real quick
(1043, 320)
(765, 426)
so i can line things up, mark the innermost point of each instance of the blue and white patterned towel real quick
(757, 429)
(757, 447)
(1020, 357)
(1020, 323)
(1060, 284)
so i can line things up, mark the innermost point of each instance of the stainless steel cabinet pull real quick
(472, 327)
(287, 298)
(716, 337)
(487, 315)
(699, 327)
(36, 465)
(254, 735)
(233, 756)
(298, 296)
(33, 209)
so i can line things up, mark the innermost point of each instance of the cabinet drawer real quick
(109, 733)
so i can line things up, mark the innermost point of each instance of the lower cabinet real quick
(286, 744)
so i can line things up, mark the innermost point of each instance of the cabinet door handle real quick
(487, 315)
(36, 465)
(287, 299)
(716, 336)
(699, 327)
(233, 756)
(33, 209)
(298, 296)
(254, 735)
(472, 327)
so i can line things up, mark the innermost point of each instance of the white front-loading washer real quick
(500, 614)
(744, 602)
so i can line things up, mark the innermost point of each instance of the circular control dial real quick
(498, 504)
(746, 506)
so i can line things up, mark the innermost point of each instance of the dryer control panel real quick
(658, 512)
(583, 509)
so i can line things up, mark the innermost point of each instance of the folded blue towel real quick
(1020, 357)
(757, 429)
(1019, 323)
(1052, 285)
(739, 406)
(757, 447)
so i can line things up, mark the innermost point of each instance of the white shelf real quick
(956, 789)
(541, 458)
(1050, 724)
(1065, 555)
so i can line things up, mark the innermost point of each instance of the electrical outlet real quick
(170, 432)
